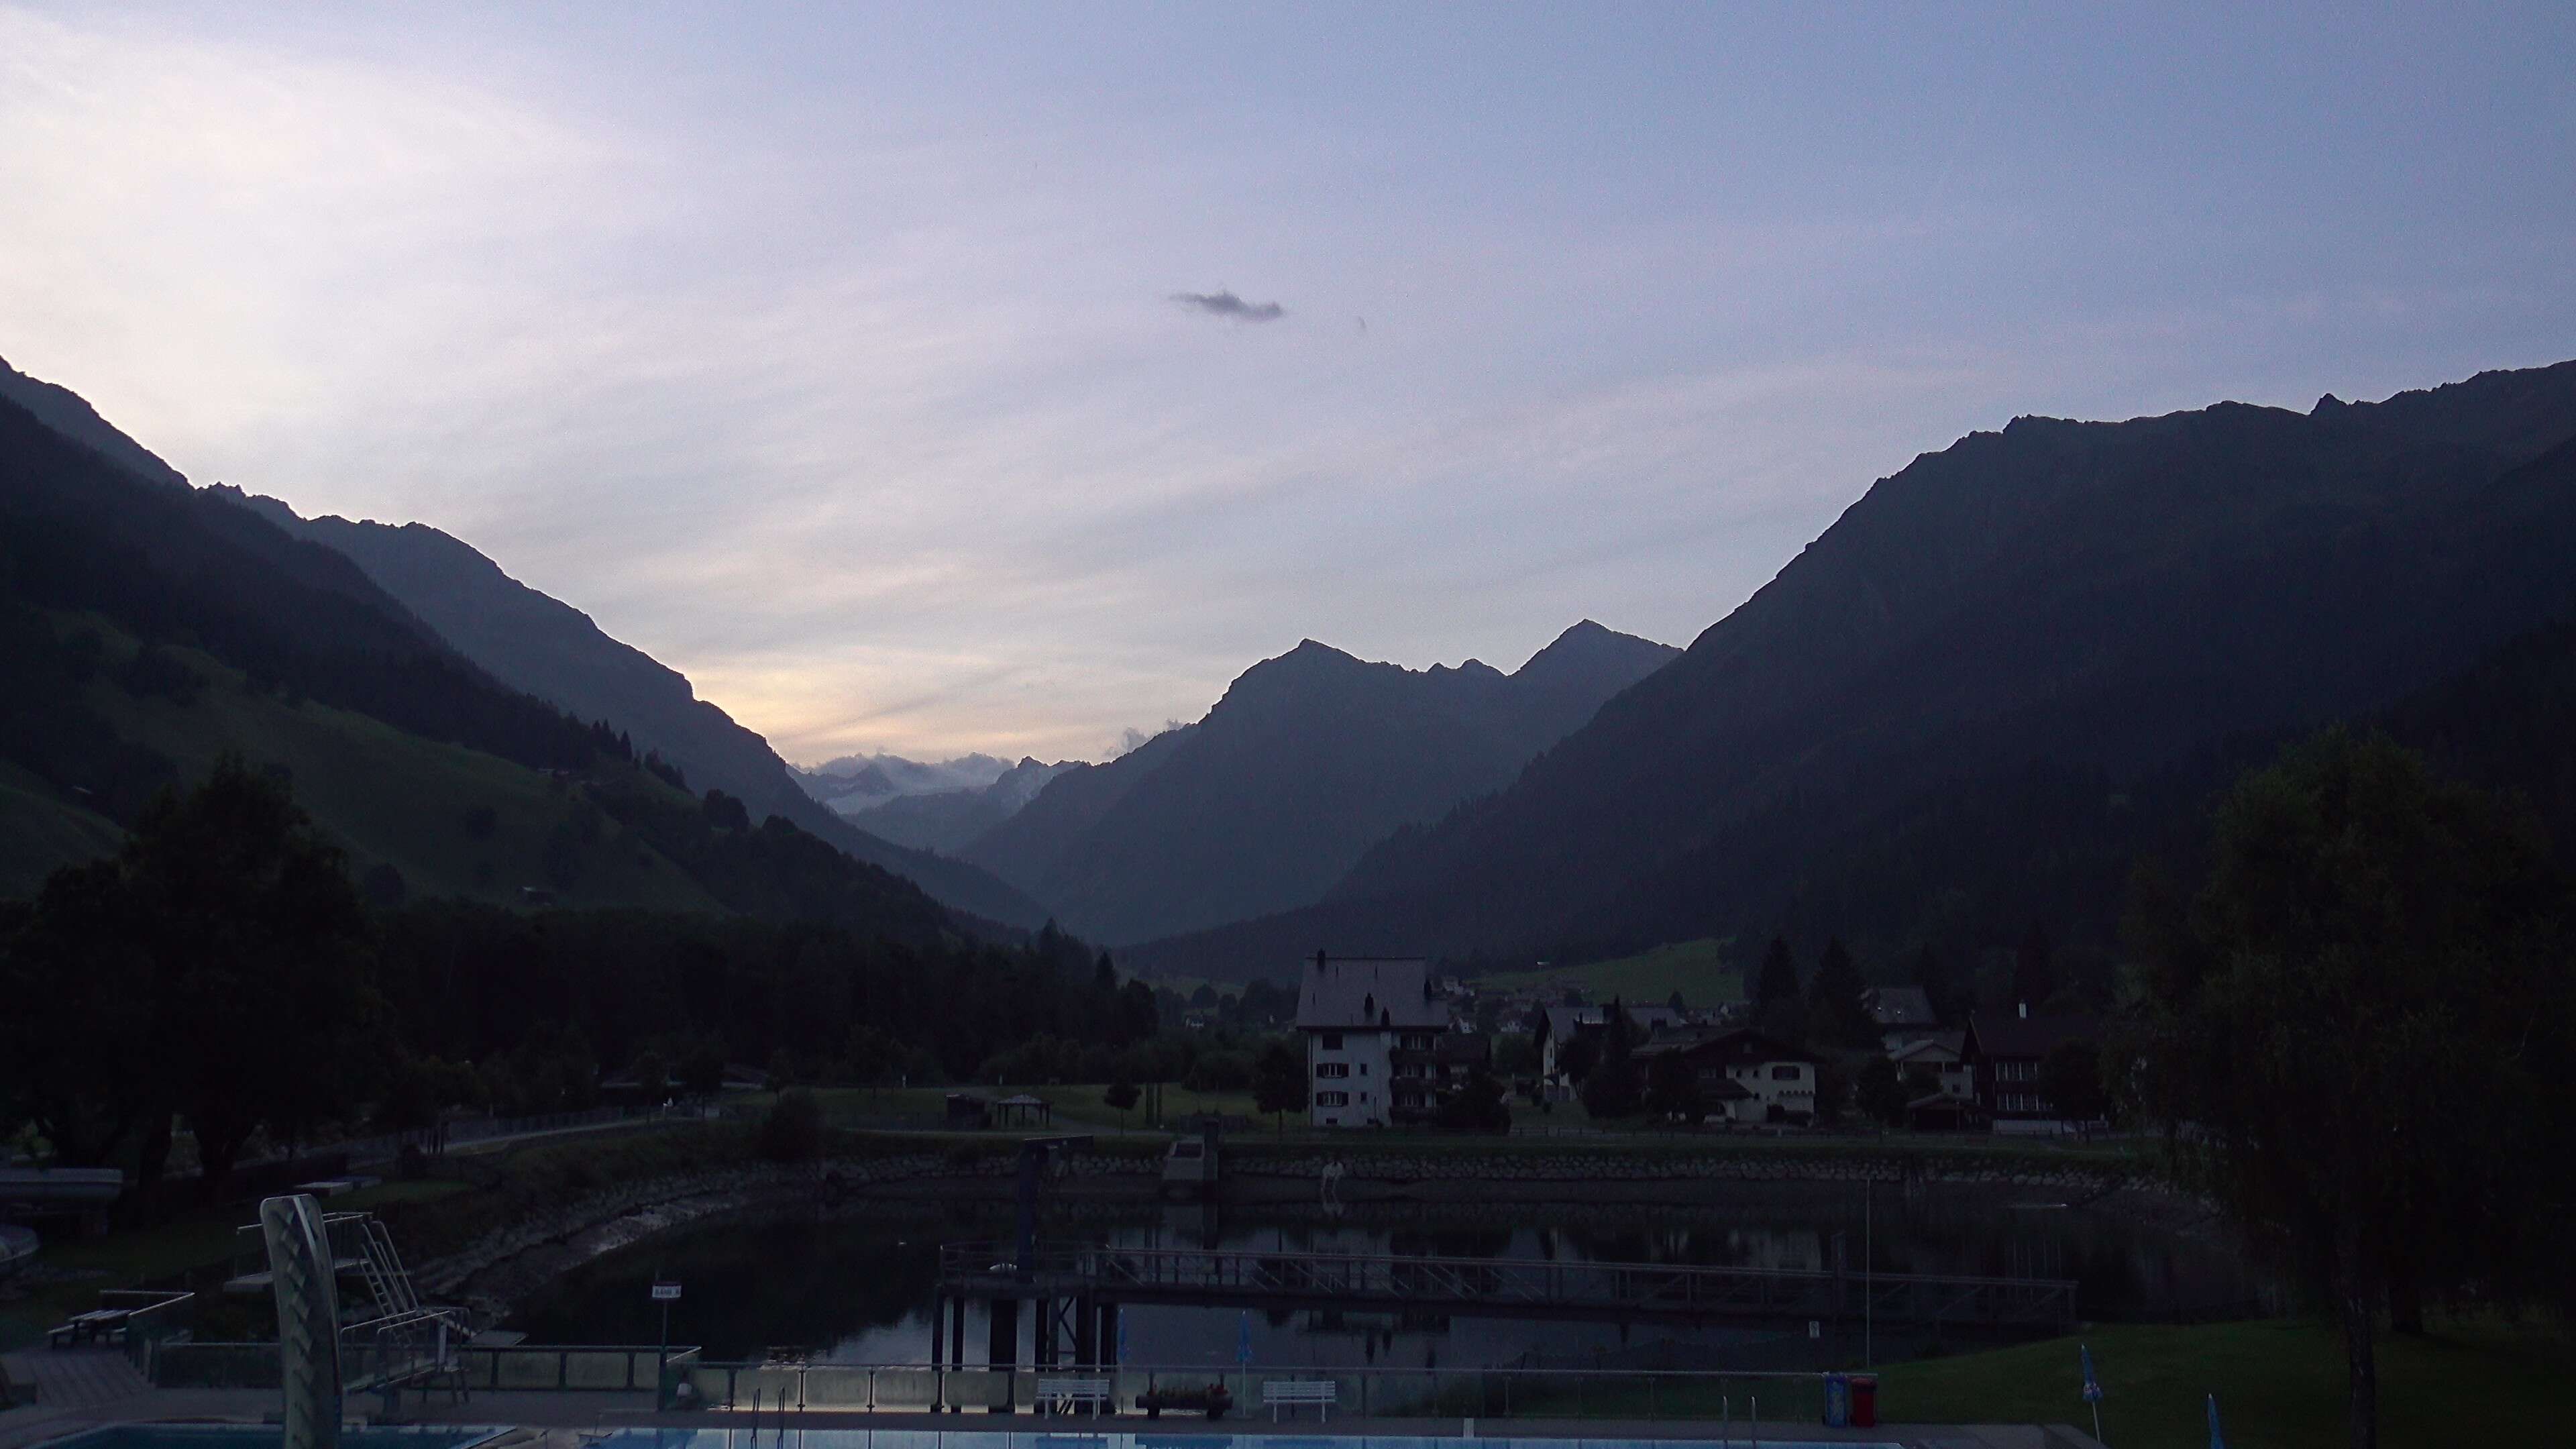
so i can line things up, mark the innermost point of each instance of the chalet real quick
(1558, 1025)
(2004, 1054)
(1940, 1086)
(1360, 1016)
(1743, 1075)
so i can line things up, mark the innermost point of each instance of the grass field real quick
(1078, 1106)
(1701, 971)
(2280, 1385)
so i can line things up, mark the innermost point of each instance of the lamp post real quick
(664, 1294)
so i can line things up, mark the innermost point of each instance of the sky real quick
(1004, 378)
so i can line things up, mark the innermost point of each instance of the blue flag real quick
(2216, 1440)
(2092, 1385)
(1243, 1338)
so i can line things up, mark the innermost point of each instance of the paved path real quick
(71, 1384)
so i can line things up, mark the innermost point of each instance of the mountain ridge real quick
(1308, 758)
(2101, 595)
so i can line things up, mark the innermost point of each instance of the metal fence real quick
(1134, 1390)
(1490, 1393)
(604, 1367)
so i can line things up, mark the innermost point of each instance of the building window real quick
(1332, 1069)
(1332, 1099)
(1363, 1069)
(1417, 1043)
(1786, 1072)
(1332, 1041)
(1363, 1098)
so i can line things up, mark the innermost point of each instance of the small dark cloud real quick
(1228, 305)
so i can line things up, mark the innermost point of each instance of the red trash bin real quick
(1864, 1392)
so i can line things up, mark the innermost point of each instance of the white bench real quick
(1280, 1394)
(1063, 1396)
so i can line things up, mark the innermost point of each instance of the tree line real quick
(222, 971)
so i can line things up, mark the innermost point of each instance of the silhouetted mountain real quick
(1308, 760)
(2003, 642)
(539, 644)
(68, 413)
(862, 782)
(146, 626)
(947, 820)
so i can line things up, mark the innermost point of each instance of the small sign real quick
(1815, 1329)
(666, 1292)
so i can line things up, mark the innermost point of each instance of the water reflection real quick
(856, 1285)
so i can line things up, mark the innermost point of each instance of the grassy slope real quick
(1698, 969)
(2280, 1385)
(383, 794)
(38, 833)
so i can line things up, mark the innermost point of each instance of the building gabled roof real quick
(1731, 1046)
(1940, 1044)
(1368, 993)
(1562, 1022)
(1899, 1006)
(2027, 1036)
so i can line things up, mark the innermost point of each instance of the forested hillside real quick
(1967, 703)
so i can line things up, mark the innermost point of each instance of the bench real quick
(106, 1325)
(1289, 1393)
(1065, 1395)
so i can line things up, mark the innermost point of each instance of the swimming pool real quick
(793, 1438)
(270, 1436)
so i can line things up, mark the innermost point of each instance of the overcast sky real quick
(1000, 378)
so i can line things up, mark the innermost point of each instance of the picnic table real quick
(104, 1325)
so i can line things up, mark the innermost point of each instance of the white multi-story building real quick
(1357, 1014)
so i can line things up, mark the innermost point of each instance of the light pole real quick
(664, 1294)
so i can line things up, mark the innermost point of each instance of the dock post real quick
(1002, 1348)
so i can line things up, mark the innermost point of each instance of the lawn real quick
(1699, 970)
(132, 1258)
(1075, 1106)
(2280, 1385)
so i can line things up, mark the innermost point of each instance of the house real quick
(1902, 1014)
(2005, 1052)
(1936, 1063)
(1426, 1066)
(1358, 1014)
(1941, 1088)
(1558, 1025)
(1743, 1075)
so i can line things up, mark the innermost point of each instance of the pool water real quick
(270, 1436)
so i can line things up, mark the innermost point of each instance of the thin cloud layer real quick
(819, 370)
(1230, 306)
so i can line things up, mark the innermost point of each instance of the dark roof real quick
(1730, 1046)
(1945, 1041)
(1564, 1021)
(2027, 1036)
(1900, 1006)
(1368, 993)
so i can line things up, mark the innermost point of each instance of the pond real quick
(856, 1286)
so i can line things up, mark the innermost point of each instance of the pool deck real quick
(79, 1390)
